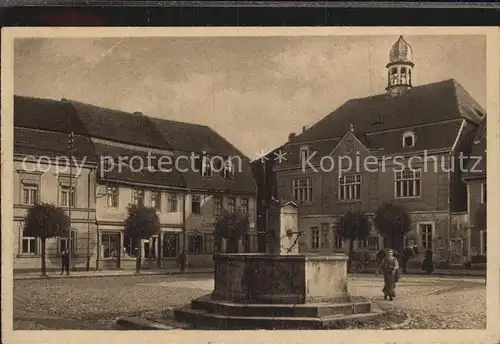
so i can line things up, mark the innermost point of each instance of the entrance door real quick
(110, 248)
(456, 251)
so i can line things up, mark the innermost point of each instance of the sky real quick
(254, 91)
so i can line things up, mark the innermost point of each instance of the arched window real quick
(409, 139)
(403, 75)
(394, 76)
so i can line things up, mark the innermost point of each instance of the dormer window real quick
(229, 170)
(304, 154)
(408, 139)
(206, 166)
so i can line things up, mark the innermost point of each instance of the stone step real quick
(202, 319)
(340, 322)
(140, 324)
(205, 320)
(279, 310)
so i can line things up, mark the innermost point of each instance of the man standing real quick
(181, 261)
(65, 262)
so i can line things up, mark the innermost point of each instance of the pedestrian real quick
(181, 261)
(65, 262)
(428, 262)
(390, 268)
(408, 253)
(380, 256)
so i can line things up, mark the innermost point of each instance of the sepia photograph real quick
(247, 182)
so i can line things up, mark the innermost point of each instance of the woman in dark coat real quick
(389, 267)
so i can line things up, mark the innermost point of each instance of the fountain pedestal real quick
(261, 291)
(281, 289)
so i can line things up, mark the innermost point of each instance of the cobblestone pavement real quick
(96, 303)
(432, 303)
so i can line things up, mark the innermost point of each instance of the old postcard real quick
(202, 182)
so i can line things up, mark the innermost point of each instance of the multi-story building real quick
(475, 177)
(41, 173)
(128, 156)
(403, 145)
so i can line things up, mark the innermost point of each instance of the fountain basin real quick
(283, 279)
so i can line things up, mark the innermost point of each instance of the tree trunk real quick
(349, 262)
(233, 245)
(44, 269)
(159, 252)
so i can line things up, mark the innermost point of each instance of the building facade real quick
(124, 160)
(401, 146)
(41, 173)
(475, 178)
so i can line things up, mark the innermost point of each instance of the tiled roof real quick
(431, 103)
(52, 144)
(119, 126)
(434, 112)
(137, 173)
(429, 137)
(42, 128)
(476, 167)
(189, 137)
(47, 114)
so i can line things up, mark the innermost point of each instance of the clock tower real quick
(399, 68)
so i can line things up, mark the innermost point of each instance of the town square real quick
(94, 303)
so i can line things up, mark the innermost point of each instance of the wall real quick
(49, 179)
(204, 222)
(376, 188)
(475, 194)
(125, 197)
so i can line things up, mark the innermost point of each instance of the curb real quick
(438, 273)
(136, 323)
(21, 277)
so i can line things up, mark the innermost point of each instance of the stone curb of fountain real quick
(140, 323)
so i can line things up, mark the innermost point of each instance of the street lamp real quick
(71, 144)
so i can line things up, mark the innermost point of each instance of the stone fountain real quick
(279, 289)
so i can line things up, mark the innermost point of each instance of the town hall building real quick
(387, 133)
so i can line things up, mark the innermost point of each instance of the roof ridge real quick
(384, 94)
(176, 121)
(135, 113)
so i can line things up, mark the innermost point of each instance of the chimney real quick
(304, 128)
(291, 136)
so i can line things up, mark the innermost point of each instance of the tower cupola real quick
(400, 67)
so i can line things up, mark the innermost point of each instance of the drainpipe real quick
(468, 223)
(70, 201)
(449, 207)
(88, 220)
(98, 235)
(184, 231)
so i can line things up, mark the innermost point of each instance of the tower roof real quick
(401, 51)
